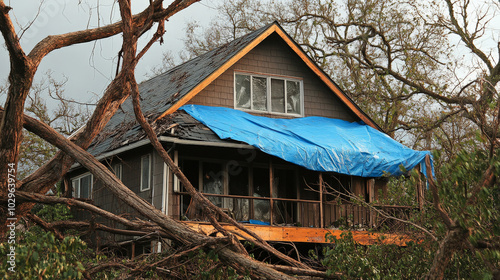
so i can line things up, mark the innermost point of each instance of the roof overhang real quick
(275, 28)
(169, 140)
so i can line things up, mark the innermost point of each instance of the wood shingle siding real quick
(274, 57)
(157, 177)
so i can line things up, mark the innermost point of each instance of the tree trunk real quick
(23, 69)
(20, 79)
(453, 241)
(177, 230)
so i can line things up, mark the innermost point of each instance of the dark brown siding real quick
(274, 57)
(157, 180)
(131, 168)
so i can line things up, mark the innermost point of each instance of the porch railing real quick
(301, 212)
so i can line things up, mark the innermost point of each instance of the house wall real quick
(274, 57)
(105, 199)
(157, 180)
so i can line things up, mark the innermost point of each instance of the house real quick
(222, 117)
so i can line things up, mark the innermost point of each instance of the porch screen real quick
(316, 143)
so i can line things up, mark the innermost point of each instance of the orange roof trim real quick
(275, 28)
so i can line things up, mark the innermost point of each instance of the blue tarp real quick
(316, 143)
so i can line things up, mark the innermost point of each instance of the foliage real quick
(34, 153)
(401, 190)
(381, 261)
(52, 213)
(42, 256)
(458, 180)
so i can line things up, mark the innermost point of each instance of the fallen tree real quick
(30, 190)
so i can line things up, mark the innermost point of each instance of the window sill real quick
(269, 113)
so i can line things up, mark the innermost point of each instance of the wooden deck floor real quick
(304, 234)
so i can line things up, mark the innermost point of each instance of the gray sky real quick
(90, 67)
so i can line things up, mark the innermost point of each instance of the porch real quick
(306, 218)
(282, 201)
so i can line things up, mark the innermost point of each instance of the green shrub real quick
(42, 256)
(383, 261)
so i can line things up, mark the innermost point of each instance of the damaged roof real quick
(161, 92)
(164, 94)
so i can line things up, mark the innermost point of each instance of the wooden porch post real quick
(371, 199)
(251, 193)
(271, 177)
(321, 213)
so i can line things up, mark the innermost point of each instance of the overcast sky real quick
(90, 67)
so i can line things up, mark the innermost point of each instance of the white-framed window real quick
(117, 169)
(267, 93)
(145, 172)
(82, 186)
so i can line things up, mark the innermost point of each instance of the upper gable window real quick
(270, 94)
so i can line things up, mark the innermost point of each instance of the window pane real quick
(213, 181)
(239, 208)
(117, 169)
(76, 186)
(261, 182)
(85, 187)
(309, 185)
(285, 186)
(277, 96)
(145, 171)
(238, 185)
(261, 208)
(190, 170)
(259, 93)
(242, 91)
(337, 186)
(293, 97)
(238, 180)
(284, 183)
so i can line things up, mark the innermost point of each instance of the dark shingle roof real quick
(161, 92)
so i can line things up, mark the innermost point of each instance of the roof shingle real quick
(158, 94)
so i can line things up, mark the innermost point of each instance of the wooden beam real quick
(271, 202)
(321, 212)
(371, 199)
(305, 234)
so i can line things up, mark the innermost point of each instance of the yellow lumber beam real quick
(305, 234)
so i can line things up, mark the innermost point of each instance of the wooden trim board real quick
(219, 71)
(309, 62)
(303, 234)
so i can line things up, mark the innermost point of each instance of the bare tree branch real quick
(435, 194)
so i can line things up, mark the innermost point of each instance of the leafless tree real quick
(34, 187)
